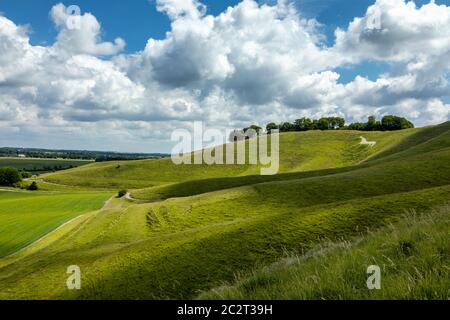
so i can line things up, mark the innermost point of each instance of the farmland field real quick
(40, 165)
(26, 216)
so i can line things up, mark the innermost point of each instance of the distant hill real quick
(299, 152)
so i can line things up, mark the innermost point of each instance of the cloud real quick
(404, 32)
(257, 52)
(251, 63)
(175, 9)
(83, 36)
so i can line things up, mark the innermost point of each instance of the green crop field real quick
(26, 216)
(195, 231)
(41, 165)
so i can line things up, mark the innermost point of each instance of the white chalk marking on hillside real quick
(368, 143)
(128, 196)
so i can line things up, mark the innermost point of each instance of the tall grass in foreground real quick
(413, 254)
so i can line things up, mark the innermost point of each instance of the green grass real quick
(200, 234)
(122, 258)
(40, 165)
(298, 152)
(26, 216)
(414, 257)
(426, 140)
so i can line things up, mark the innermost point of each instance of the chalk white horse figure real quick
(365, 142)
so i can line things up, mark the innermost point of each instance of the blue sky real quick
(138, 20)
(85, 90)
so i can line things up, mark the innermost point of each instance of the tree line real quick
(98, 156)
(387, 123)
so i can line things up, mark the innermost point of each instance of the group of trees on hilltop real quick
(306, 124)
(388, 123)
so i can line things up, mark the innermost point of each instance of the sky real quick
(130, 73)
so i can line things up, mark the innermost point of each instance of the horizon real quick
(148, 153)
(126, 79)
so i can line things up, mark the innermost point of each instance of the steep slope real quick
(413, 256)
(423, 140)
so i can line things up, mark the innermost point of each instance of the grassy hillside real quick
(26, 216)
(178, 247)
(414, 257)
(411, 143)
(298, 152)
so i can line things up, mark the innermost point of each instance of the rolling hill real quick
(298, 152)
(195, 227)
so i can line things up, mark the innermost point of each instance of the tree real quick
(339, 122)
(25, 175)
(33, 186)
(372, 124)
(286, 127)
(315, 125)
(323, 124)
(357, 126)
(406, 124)
(121, 193)
(9, 176)
(258, 129)
(271, 126)
(390, 123)
(334, 122)
(303, 124)
(252, 131)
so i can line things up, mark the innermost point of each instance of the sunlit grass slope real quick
(26, 216)
(414, 257)
(402, 146)
(182, 246)
(123, 256)
(298, 152)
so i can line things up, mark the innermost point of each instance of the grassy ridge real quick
(414, 257)
(421, 141)
(298, 152)
(25, 217)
